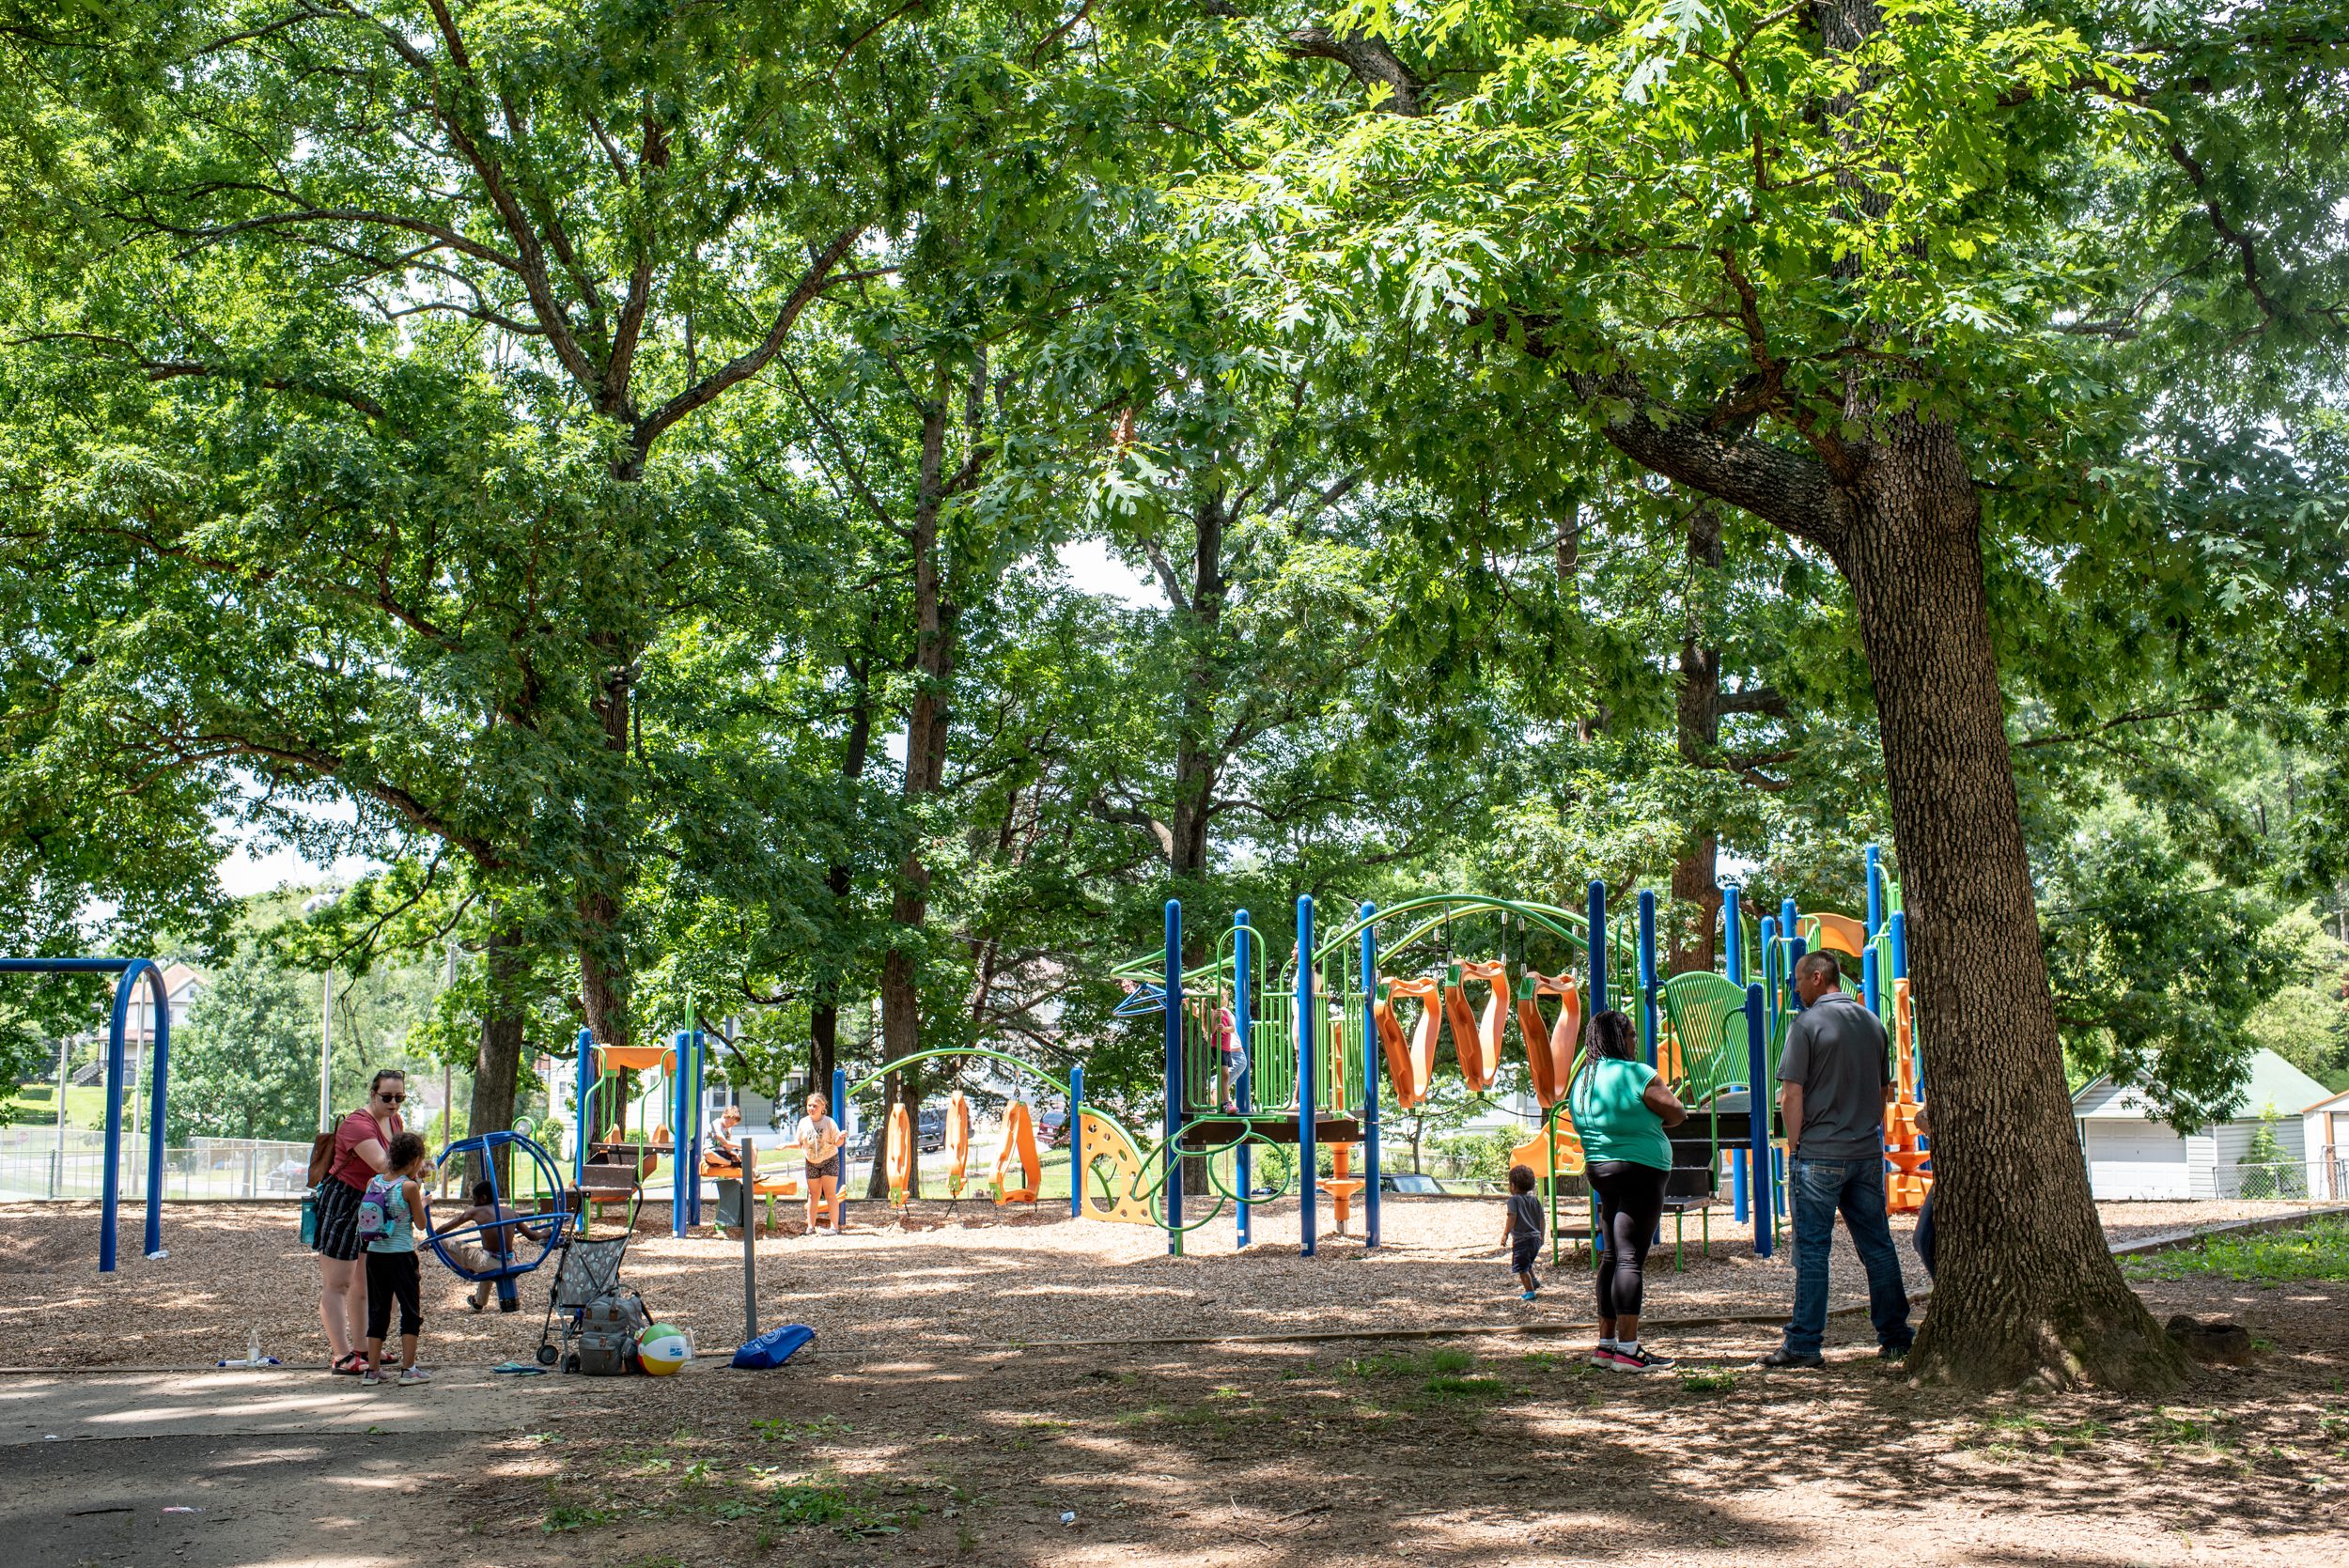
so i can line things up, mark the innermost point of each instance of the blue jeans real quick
(1926, 1238)
(1819, 1187)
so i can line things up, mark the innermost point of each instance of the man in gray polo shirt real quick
(1833, 1082)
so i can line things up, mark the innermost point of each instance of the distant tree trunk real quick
(1696, 901)
(2027, 1286)
(1198, 757)
(823, 1017)
(497, 1070)
(925, 754)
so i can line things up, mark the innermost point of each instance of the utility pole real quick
(315, 904)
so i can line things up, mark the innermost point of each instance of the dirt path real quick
(932, 1423)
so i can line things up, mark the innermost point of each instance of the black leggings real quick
(1630, 1201)
(391, 1276)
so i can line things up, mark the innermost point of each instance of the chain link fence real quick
(36, 1164)
(2283, 1181)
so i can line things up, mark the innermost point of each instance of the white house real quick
(2324, 1137)
(2132, 1153)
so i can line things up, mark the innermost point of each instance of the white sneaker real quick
(412, 1376)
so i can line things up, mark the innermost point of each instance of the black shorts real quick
(824, 1170)
(393, 1276)
(338, 1220)
(1523, 1250)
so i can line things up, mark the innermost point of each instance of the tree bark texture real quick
(1696, 897)
(2027, 1288)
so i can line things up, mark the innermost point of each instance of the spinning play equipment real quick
(548, 1181)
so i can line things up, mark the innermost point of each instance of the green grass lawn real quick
(2314, 1251)
(84, 1106)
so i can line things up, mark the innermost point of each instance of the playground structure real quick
(1400, 978)
(613, 1168)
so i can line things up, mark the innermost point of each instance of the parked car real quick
(286, 1176)
(1051, 1130)
(933, 1129)
(1409, 1181)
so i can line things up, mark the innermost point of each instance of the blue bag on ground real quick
(773, 1347)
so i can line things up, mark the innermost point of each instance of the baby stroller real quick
(593, 1306)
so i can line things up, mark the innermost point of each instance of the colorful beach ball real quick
(663, 1349)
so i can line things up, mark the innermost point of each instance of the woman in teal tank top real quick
(1621, 1110)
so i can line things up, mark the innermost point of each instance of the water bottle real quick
(253, 1347)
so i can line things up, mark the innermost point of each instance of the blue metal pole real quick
(1733, 938)
(1308, 1184)
(158, 1080)
(585, 1109)
(679, 1049)
(1372, 1063)
(110, 1186)
(693, 1153)
(1875, 891)
(1173, 989)
(1599, 947)
(1899, 927)
(840, 1119)
(1244, 1036)
(1737, 1184)
(1647, 973)
(1758, 1121)
(1871, 990)
(1789, 926)
(1794, 953)
(1076, 1141)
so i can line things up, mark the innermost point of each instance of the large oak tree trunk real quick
(2026, 1287)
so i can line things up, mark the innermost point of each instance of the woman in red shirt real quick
(361, 1142)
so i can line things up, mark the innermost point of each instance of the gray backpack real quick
(607, 1335)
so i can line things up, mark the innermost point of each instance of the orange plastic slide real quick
(1019, 1144)
(1549, 1047)
(900, 1154)
(1477, 1041)
(957, 1142)
(1410, 1064)
(1839, 933)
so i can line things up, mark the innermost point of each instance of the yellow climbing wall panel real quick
(1108, 1149)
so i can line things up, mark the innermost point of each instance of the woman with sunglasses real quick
(362, 1145)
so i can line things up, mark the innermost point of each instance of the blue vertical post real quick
(1757, 1169)
(1077, 1142)
(584, 1106)
(1871, 991)
(1244, 1036)
(1875, 891)
(158, 1078)
(698, 1089)
(681, 1052)
(1737, 1184)
(1733, 938)
(1308, 1193)
(1174, 992)
(110, 1184)
(1597, 932)
(1372, 1060)
(1789, 929)
(1768, 938)
(840, 1119)
(1647, 973)
(1796, 949)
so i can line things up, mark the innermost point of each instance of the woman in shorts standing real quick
(819, 1140)
(360, 1153)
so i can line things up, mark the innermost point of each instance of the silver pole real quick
(326, 1052)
